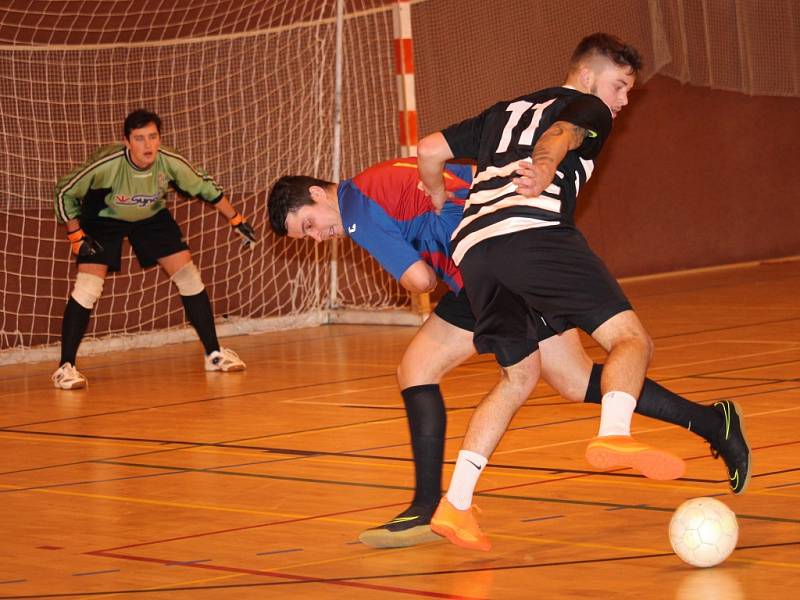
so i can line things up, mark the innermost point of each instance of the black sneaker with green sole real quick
(731, 444)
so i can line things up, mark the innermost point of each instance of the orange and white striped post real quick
(404, 70)
(407, 104)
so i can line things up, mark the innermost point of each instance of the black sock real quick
(659, 403)
(73, 326)
(427, 422)
(198, 311)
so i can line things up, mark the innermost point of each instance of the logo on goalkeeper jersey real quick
(141, 200)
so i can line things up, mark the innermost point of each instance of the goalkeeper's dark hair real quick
(139, 118)
(609, 46)
(288, 195)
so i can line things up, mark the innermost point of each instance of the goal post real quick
(250, 100)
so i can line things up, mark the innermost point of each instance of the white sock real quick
(616, 414)
(469, 467)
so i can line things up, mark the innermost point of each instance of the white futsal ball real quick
(703, 532)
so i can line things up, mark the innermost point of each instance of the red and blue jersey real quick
(384, 211)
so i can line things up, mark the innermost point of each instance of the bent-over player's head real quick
(605, 66)
(142, 137)
(300, 206)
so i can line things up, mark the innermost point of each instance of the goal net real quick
(245, 89)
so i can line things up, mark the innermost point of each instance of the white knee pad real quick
(88, 289)
(187, 280)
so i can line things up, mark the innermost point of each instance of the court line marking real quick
(792, 344)
(221, 448)
(189, 505)
(189, 444)
(528, 566)
(297, 578)
(724, 359)
(636, 431)
(370, 460)
(166, 587)
(752, 561)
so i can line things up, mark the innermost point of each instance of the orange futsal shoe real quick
(459, 526)
(610, 451)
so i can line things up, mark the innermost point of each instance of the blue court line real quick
(632, 506)
(542, 518)
(279, 551)
(13, 581)
(95, 572)
(780, 485)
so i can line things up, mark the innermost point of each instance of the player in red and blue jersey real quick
(385, 211)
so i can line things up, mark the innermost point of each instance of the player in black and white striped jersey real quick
(520, 255)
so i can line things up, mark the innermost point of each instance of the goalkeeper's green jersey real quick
(110, 185)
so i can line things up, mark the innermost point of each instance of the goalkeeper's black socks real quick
(659, 403)
(198, 311)
(73, 326)
(427, 422)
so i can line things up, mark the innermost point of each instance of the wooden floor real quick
(163, 482)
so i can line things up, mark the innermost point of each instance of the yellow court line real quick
(544, 541)
(393, 386)
(793, 345)
(65, 438)
(170, 585)
(374, 552)
(616, 482)
(637, 431)
(280, 570)
(725, 359)
(165, 503)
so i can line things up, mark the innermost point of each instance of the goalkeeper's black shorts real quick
(151, 239)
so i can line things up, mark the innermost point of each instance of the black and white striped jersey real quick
(505, 134)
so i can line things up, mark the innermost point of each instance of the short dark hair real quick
(609, 46)
(288, 195)
(139, 118)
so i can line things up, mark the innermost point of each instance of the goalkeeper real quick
(119, 192)
(384, 210)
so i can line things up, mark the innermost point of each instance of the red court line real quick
(321, 516)
(357, 510)
(288, 576)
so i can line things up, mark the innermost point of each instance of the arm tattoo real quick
(548, 145)
(577, 135)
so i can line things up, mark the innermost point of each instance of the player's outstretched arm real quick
(549, 151)
(242, 227)
(433, 152)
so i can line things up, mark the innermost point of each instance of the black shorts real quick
(151, 239)
(550, 271)
(456, 310)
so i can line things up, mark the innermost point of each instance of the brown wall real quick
(692, 176)
(695, 177)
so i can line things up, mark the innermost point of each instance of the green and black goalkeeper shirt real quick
(110, 185)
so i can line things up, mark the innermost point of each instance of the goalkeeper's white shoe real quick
(225, 360)
(68, 377)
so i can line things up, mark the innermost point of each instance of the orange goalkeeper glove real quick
(244, 229)
(83, 244)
